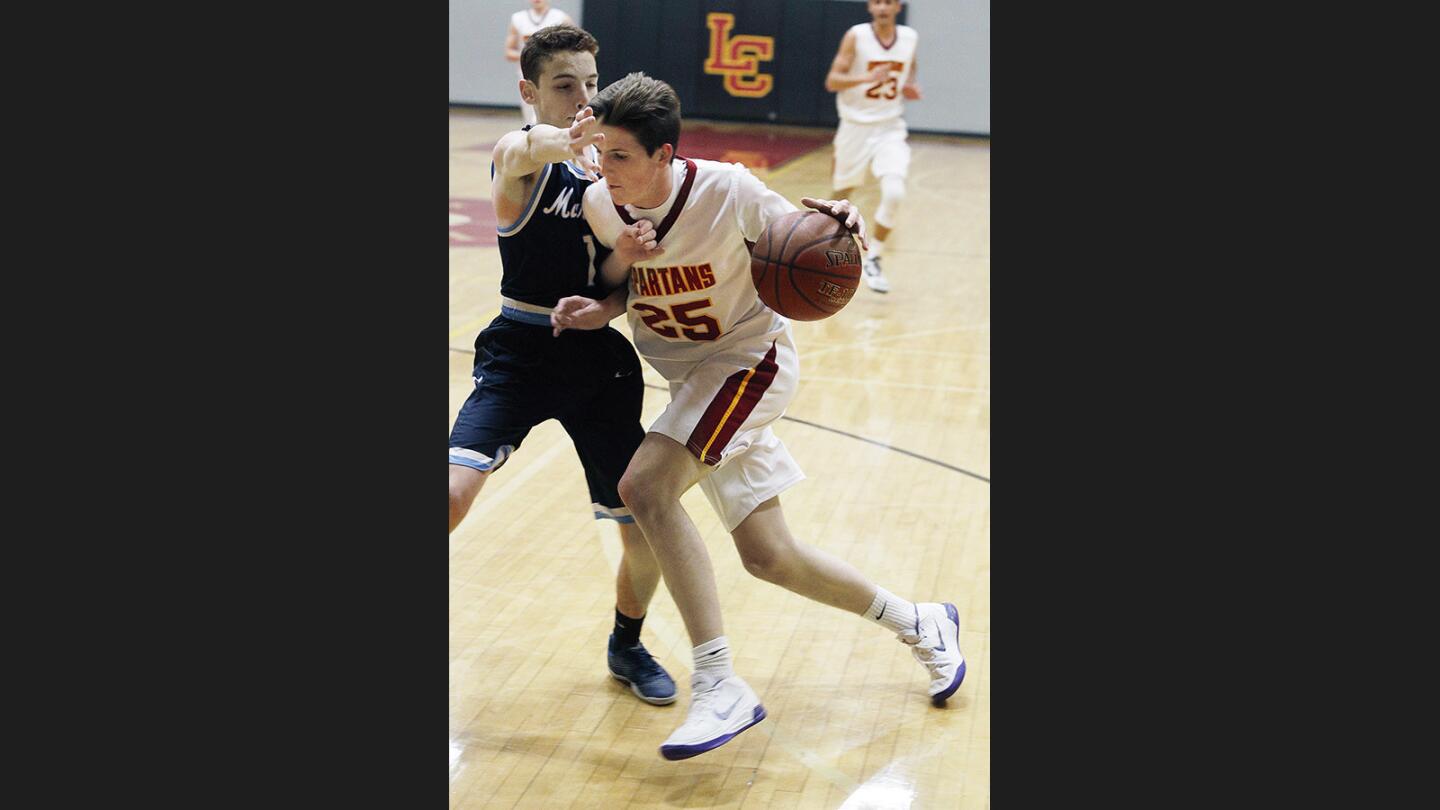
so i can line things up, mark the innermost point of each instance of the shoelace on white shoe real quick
(925, 653)
(705, 698)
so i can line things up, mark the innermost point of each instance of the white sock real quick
(712, 663)
(891, 612)
(876, 248)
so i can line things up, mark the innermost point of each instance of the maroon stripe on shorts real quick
(759, 383)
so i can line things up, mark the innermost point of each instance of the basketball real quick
(805, 265)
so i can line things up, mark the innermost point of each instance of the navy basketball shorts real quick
(588, 380)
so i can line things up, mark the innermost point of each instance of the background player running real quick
(873, 69)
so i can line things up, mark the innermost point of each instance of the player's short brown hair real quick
(645, 107)
(547, 42)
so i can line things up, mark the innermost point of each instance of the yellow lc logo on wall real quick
(738, 58)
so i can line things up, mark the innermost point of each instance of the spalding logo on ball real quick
(806, 266)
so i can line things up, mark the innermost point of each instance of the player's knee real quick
(764, 563)
(642, 499)
(648, 486)
(633, 493)
(892, 188)
(464, 486)
(461, 491)
(892, 194)
(460, 500)
(458, 508)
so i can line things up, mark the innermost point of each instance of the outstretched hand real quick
(586, 132)
(845, 212)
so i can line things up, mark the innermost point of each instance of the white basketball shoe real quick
(717, 715)
(874, 277)
(935, 643)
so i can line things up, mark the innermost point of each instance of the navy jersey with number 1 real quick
(549, 252)
(587, 379)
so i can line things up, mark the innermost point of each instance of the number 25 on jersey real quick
(693, 326)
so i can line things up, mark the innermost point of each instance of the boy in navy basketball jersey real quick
(525, 373)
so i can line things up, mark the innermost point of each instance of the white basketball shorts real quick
(880, 149)
(722, 412)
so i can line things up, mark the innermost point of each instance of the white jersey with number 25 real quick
(696, 299)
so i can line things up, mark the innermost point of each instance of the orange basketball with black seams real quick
(805, 266)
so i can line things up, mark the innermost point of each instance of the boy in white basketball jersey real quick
(679, 229)
(872, 71)
(523, 24)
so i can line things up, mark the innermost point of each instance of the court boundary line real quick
(875, 442)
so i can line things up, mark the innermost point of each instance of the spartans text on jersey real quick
(671, 280)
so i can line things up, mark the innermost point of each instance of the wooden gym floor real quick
(891, 424)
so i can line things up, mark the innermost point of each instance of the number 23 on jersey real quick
(888, 88)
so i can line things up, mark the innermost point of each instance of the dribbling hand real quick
(845, 212)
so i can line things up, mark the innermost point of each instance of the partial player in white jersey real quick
(679, 229)
(523, 24)
(872, 71)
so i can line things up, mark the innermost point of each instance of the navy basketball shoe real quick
(647, 679)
